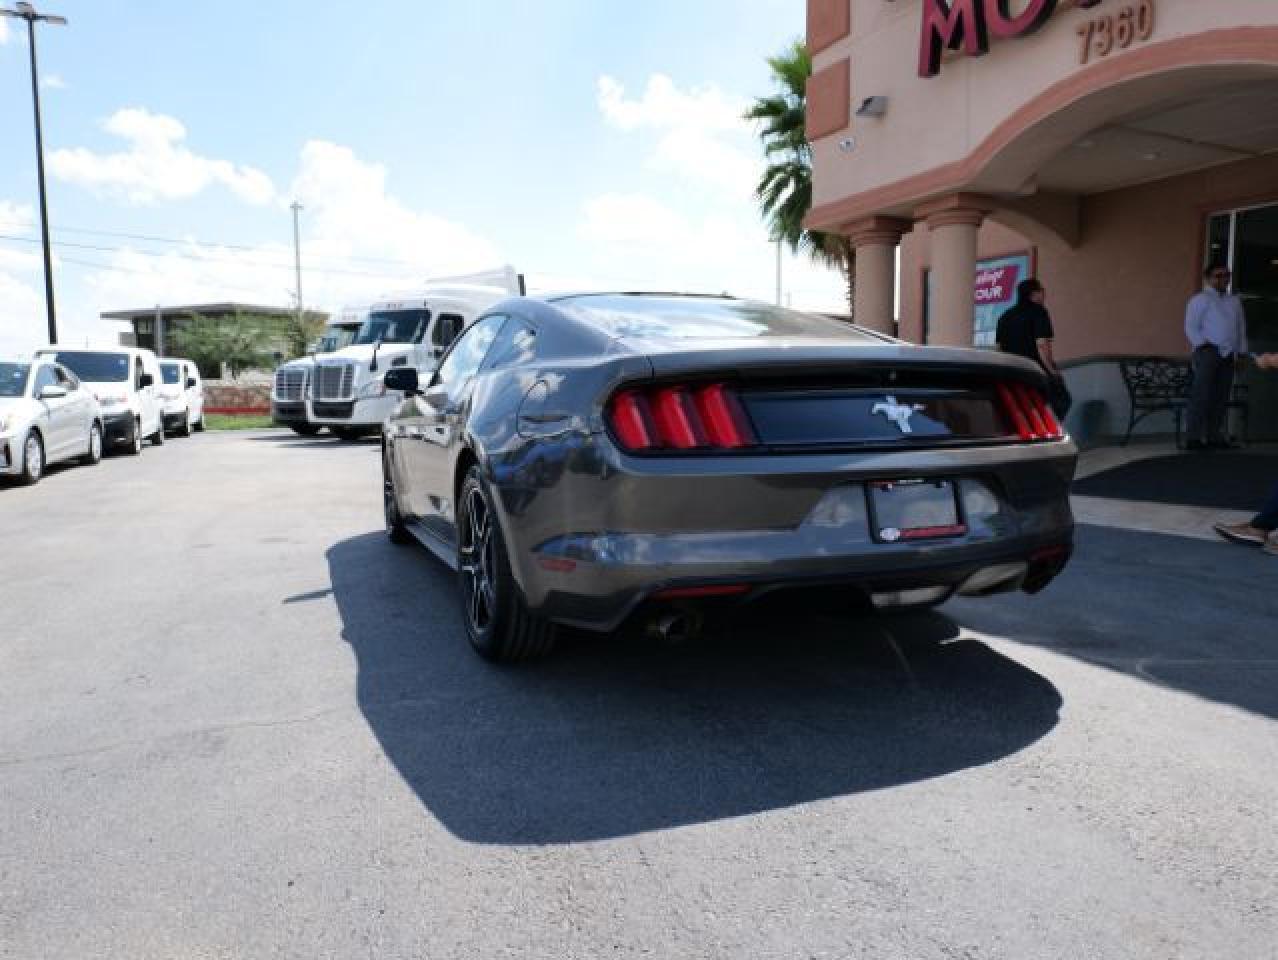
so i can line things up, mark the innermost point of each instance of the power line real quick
(184, 241)
(201, 259)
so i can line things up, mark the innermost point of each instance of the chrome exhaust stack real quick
(999, 578)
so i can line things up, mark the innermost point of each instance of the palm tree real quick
(784, 191)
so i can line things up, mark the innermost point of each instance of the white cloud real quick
(699, 133)
(156, 165)
(350, 213)
(638, 242)
(350, 224)
(53, 81)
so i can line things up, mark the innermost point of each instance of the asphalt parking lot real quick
(235, 722)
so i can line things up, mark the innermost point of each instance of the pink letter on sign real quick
(956, 24)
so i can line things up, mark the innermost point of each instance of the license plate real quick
(914, 510)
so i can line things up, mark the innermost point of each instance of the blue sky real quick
(587, 143)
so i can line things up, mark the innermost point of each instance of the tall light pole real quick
(297, 262)
(28, 13)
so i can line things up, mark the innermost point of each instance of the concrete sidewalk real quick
(1180, 520)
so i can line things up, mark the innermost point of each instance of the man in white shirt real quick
(1217, 332)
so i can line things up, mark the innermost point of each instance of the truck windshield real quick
(13, 379)
(393, 326)
(96, 367)
(336, 337)
(171, 372)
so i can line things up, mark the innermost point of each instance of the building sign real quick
(995, 294)
(968, 26)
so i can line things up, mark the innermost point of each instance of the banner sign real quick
(995, 293)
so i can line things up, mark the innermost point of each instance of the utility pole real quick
(297, 260)
(28, 13)
(778, 271)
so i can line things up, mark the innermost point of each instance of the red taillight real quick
(1027, 410)
(632, 420)
(695, 593)
(680, 417)
(677, 419)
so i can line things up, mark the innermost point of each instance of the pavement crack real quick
(178, 735)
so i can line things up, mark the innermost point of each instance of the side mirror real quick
(52, 393)
(403, 379)
(190, 383)
(145, 380)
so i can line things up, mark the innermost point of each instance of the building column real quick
(953, 223)
(875, 241)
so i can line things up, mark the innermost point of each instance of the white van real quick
(181, 391)
(124, 379)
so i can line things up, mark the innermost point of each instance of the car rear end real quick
(171, 393)
(876, 472)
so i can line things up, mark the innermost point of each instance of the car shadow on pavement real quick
(615, 736)
(1192, 615)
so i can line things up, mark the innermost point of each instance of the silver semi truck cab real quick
(291, 382)
(346, 392)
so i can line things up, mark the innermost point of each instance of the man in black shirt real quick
(1026, 330)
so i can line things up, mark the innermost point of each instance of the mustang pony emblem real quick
(898, 413)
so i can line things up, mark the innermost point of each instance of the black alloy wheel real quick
(396, 531)
(499, 624)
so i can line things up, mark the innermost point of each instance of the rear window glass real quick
(704, 318)
(171, 372)
(96, 367)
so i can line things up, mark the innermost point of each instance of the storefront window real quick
(1247, 240)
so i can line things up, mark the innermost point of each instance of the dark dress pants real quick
(1209, 398)
(1267, 519)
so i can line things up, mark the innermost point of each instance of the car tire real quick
(135, 438)
(346, 434)
(185, 429)
(306, 429)
(32, 459)
(94, 455)
(157, 438)
(499, 624)
(199, 424)
(396, 531)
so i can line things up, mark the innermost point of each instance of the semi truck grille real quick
(290, 385)
(334, 381)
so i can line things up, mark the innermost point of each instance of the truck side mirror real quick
(146, 380)
(403, 379)
(190, 383)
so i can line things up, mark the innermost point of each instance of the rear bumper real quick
(117, 428)
(769, 525)
(10, 455)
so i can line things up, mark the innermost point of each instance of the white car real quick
(181, 392)
(124, 379)
(46, 415)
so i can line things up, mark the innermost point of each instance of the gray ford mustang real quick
(587, 458)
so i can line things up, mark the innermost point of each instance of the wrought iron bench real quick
(1162, 384)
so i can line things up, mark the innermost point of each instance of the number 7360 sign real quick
(1103, 34)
